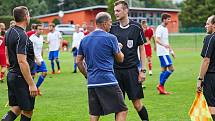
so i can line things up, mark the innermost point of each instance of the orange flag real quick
(199, 110)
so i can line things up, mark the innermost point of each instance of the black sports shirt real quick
(208, 50)
(130, 37)
(17, 42)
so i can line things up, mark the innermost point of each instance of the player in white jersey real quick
(54, 39)
(77, 37)
(163, 52)
(40, 66)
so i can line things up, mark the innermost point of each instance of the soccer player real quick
(3, 63)
(12, 23)
(148, 32)
(21, 87)
(54, 39)
(39, 66)
(206, 76)
(130, 35)
(163, 52)
(77, 37)
(99, 49)
(32, 31)
(84, 26)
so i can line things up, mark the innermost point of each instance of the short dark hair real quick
(212, 19)
(143, 22)
(37, 25)
(123, 2)
(101, 17)
(165, 16)
(33, 26)
(19, 13)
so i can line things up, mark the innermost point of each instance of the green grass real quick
(65, 95)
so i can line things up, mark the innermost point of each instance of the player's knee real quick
(27, 113)
(16, 110)
(137, 105)
(44, 74)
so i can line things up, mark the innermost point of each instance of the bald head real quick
(102, 17)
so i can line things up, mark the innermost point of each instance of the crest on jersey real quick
(130, 43)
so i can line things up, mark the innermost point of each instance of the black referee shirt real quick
(208, 50)
(17, 42)
(130, 37)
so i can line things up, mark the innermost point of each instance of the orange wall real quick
(88, 16)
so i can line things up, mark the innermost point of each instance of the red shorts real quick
(3, 60)
(148, 50)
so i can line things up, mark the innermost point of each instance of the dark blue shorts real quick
(53, 55)
(75, 52)
(165, 61)
(41, 68)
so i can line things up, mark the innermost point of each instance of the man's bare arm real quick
(80, 63)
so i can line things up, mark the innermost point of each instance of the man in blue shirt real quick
(99, 49)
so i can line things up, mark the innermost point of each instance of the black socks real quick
(24, 118)
(143, 114)
(10, 116)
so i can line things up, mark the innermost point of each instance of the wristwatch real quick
(143, 70)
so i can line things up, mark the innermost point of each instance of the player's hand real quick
(33, 90)
(141, 77)
(120, 45)
(155, 49)
(199, 86)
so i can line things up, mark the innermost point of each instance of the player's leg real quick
(51, 58)
(148, 50)
(42, 68)
(150, 65)
(75, 53)
(56, 57)
(12, 114)
(141, 109)
(3, 66)
(94, 118)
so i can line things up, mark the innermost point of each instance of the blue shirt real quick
(99, 49)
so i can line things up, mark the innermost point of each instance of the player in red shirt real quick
(3, 63)
(148, 32)
(32, 31)
(85, 31)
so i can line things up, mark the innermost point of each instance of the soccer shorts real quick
(53, 54)
(105, 100)
(148, 50)
(128, 82)
(41, 68)
(209, 88)
(75, 52)
(18, 92)
(3, 60)
(165, 61)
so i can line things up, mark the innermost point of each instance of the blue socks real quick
(75, 66)
(52, 65)
(40, 81)
(164, 76)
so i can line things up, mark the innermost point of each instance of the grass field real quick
(65, 95)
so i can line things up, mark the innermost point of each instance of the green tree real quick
(195, 13)
(110, 9)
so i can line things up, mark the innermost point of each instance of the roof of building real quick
(105, 7)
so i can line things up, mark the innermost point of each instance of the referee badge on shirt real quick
(130, 43)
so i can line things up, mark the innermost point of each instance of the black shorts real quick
(128, 82)
(18, 92)
(209, 89)
(105, 100)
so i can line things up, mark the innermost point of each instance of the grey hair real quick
(212, 19)
(101, 17)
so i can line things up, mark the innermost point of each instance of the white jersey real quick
(162, 32)
(54, 39)
(37, 45)
(77, 37)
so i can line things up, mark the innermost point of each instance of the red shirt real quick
(148, 33)
(29, 33)
(2, 45)
(86, 32)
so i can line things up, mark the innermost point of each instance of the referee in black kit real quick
(207, 69)
(130, 35)
(21, 87)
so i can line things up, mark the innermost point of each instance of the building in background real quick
(87, 15)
